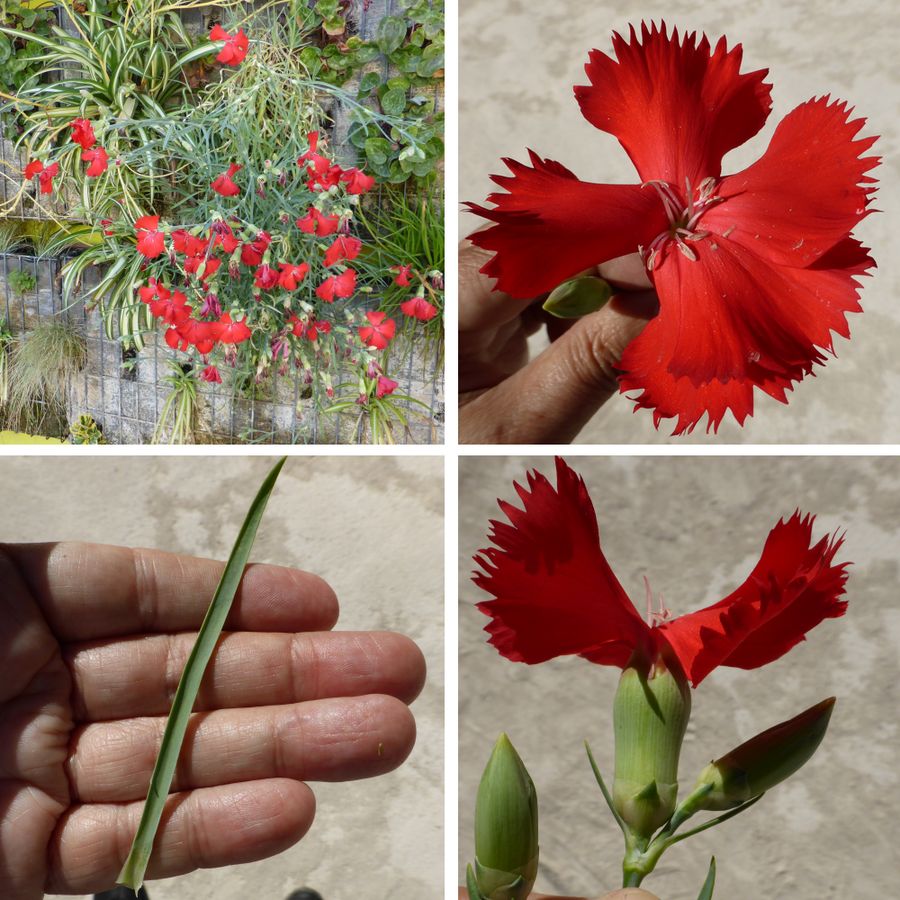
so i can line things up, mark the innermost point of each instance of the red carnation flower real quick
(154, 291)
(385, 386)
(402, 276)
(187, 243)
(223, 184)
(335, 286)
(98, 160)
(232, 332)
(291, 275)
(45, 174)
(379, 331)
(357, 181)
(171, 307)
(236, 45)
(555, 594)
(203, 335)
(419, 308)
(265, 278)
(252, 253)
(315, 223)
(150, 240)
(753, 271)
(211, 374)
(345, 247)
(83, 133)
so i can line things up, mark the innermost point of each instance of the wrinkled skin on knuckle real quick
(593, 359)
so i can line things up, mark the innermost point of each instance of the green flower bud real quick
(577, 297)
(650, 715)
(765, 760)
(506, 827)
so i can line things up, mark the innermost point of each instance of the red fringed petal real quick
(555, 593)
(805, 194)
(730, 322)
(793, 587)
(676, 106)
(551, 226)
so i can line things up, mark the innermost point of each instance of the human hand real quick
(92, 643)
(504, 398)
(621, 894)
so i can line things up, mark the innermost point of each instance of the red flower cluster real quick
(45, 174)
(83, 135)
(316, 223)
(754, 271)
(236, 45)
(172, 308)
(555, 594)
(323, 174)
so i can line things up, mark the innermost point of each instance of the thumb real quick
(552, 398)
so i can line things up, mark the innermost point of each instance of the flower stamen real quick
(683, 219)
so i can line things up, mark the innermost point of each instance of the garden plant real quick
(248, 244)
(554, 594)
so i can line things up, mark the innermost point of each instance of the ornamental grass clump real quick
(754, 271)
(39, 370)
(554, 594)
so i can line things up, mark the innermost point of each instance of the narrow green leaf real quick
(606, 795)
(706, 891)
(132, 874)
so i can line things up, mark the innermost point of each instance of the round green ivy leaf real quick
(393, 102)
(390, 34)
(378, 150)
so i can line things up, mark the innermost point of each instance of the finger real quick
(138, 676)
(89, 591)
(220, 826)
(321, 740)
(480, 306)
(626, 273)
(553, 397)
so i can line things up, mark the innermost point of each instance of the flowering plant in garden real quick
(237, 237)
(554, 594)
(754, 271)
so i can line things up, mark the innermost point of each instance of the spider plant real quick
(180, 406)
(10, 236)
(378, 417)
(41, 366)
(117, 73)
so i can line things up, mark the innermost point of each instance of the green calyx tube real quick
(765, 760)
(650, 715)
(506, 828)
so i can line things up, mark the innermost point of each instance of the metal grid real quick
(127, 404)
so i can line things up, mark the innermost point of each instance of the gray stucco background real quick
(518, 62)
(373, 528)
(695, 527)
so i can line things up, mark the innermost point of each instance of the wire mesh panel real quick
(125, 392)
